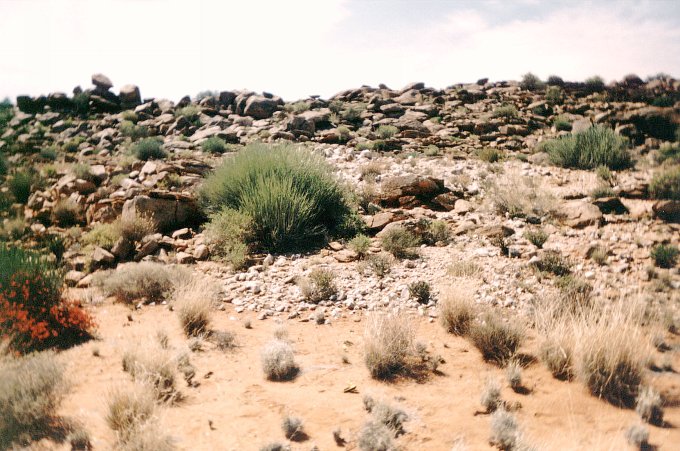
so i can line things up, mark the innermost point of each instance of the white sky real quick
(296, 48)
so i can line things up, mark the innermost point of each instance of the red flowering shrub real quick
(32, 313)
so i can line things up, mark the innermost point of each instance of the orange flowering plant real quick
(33, 315)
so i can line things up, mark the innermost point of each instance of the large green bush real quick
(596, 146)
(149, 149)
(289, 193)
(20, 186)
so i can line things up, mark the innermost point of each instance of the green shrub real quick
(400, 242)
(665, 255)
(594, 84)
(360, 244)
(553, 262)
(602, 191)
(190, 113)
(666, 185)
(554, 95)
(436, 231)
(135, 132)
(103, 235)
(496, 340)
(134, 281)
(319, 286)
(20, 186)
(297, 107)
(229, 233)
(353, 113)
(214, 144)
(507, 111)
(380, 264)
(291, 195)
(596, 146)
(386, 131)
(490, 154)
(562, 124)
(48, 154)
(149, 149)
(129, 115)
(34, 317)
(3, 164)
(72, 145)
(13, 229)
(668, 152)
(420, 291)
(31, 390)
(537, 237)
(531, 82)
(67, 213)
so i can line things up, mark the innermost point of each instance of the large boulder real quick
(130, 96)
(668, 210)
(169, 211)
(409, 191)
(101, 81)
(579, 214)
(259, 107)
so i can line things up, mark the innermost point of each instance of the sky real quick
(297, 48)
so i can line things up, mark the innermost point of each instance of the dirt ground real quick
(236, 408)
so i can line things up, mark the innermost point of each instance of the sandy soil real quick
(236, 408)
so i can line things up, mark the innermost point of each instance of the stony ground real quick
(433, 167)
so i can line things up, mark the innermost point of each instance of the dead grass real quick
(518, 196)
(148, 281)
(278, 361)
(194, 301)
(505, 432)
(465, 268)
(155, 367)
(457, 312)
(31, 389)
(318, 286)
(148, 437)
(649, 406)
(389, 345)
(375, 436)
(491, 396)
(496, 339)
(130, 408)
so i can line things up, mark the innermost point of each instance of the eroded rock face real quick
(260, 107)
(410, 191)
(578, 214)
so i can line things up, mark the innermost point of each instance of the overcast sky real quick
(295, 48)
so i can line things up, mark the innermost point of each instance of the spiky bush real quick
(31, 389)
(32, 313)
(665, 255)
(149, 149)
(420, 291)
(666, 184)
(360, 244)
(291, 195)
(595, 146)
(496, 339)
(214, 144)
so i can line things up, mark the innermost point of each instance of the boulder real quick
(169, 211)
(101, 81)
(259, 107)
(410, 190)
(609, 205)
(579, 214)
(130, 96)
(668, 210)
(102, 257)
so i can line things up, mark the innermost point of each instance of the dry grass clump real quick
(649, 406)
(149, 437)
(465, 268)
(79, 439)
(513, 373)
(491, 396)
(389, 343)
(505, 433)
(130, 408)
(278, 361)
(31, 389)
(518, 197)
(153, 366)
(148, 281)
(292, 428)
(557, 352)
(554, 262)
(136, 228)
(193, 304)
(386, 414)
(400, 242)
(457, 312)
(379, 264)
(496, 339)
(319, 286)
(637, 435)
(375, 436)
(275, 446)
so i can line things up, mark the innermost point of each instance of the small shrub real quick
(553, 262)
(291, 195)
(154, 367)
(390, 416)
(223, 340)
(375, 436)
(603, 173)
(507, 111)
(399, 242)
(518, 197)
(436, 232)
(388, 344)
(386, 131)
(34, 317)
(594, 84)
(13, 229)
(136, 228)
(193, 304)
(135, 132)
(557, 353)
(292, 428)
(31, 390)
(665, 255)
(599, 255)
(20, 186)
(456, 313)
(72, 145)
(67, 213)
(135, 281)
(513, 373)
(79, 440)
(297, 107)
(555, 80)
(3, 164)
(491, 396)
(602, 191)
(537, 237)
(103, 235)
(130, 408)
(147, 437)
(149, 149)
(190, 113)
(575, 294)
(637, 435)
(562, 124)
(649, 406)
(596, 146)
(668, 152)
(531, 82)
(380, 264)
(214, 144)
(496, 340)
(666, 185)
(48, 154)
(554, 95)
(319, 286)
(432, 151)
(464, 268)
(360, 244)
(504, 430)
(278, 361)
(353, 113)
(490, 154)
(420, 291)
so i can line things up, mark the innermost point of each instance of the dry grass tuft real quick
(292, 428)
(148, 437)
(129, 409)
(375, 436)
(456, 312)
(278, 361)
(150, 281)
(649, 406)
(496, 339)
(389, 344)
(193, 302)
(155, 367)
(505, 432)
(491, 396)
